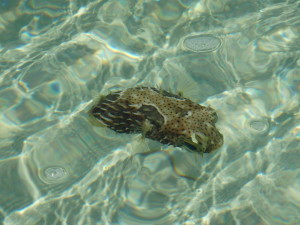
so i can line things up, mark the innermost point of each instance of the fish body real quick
(161, 116)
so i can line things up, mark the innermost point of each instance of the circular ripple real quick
(54, 174)
(260, 126)
(201, 43)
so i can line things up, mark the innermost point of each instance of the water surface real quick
(239, 57)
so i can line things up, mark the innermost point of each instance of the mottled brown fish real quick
(161, 116)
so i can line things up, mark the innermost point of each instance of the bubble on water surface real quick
(54, 174)
(202, 43)
(260, 126)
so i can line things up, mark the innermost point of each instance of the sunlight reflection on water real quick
(57, 58)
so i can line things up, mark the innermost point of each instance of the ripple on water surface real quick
(201, 43)
(259, 125)
(54, 174)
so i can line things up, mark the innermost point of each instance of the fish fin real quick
(95, 122)
(139, 144)
(187, 87)
(182, 83)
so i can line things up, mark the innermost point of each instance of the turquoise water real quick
(240, 57)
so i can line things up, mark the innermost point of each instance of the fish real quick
(160, 115)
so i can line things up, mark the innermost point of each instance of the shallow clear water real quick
(239, 57)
